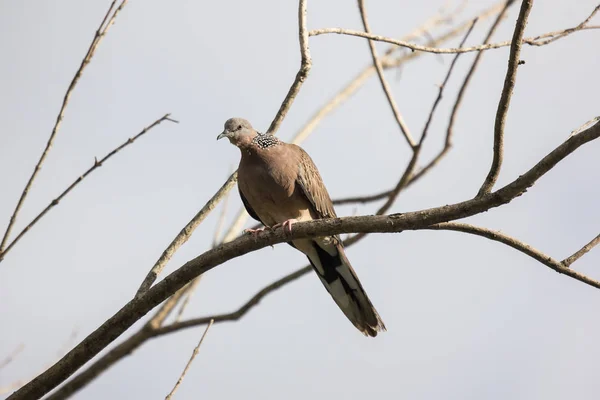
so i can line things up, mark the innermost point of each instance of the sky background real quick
(467, 318)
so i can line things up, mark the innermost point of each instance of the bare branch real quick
(510, 241)
(443, 85)
(240, 312)
(221, 221)
(384, 84)
(189, 363)
(138, 307)
(579, 253)
(363, 199)
(100, 33)
(121, 350)
(189, 293)
(553, 36)
(532, 41)
(509, 84)
(97, 164)
(302, 74)
(461, 93)
(185, 234)
(471, 73)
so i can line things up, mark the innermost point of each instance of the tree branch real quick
(507, 91)
(100, 33)
(384, 84)
(579, 253)
(305, 65)
(189, 363)
(97, 164)
(443, 85)
(138, 307)
(532, 41)
(184, 235)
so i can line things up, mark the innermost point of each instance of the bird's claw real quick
(286, 224)
(254, 232)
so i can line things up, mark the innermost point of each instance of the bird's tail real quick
(329, 261)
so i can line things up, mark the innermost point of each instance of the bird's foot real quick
(255, 232)
(286, 224)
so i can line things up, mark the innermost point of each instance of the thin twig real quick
(97, 164)
(305, 65)
(189, 293)
(221, 221)
(184, 235)
(458, 102)
(509, 84)
(579, 253)
(384, 84)
(99, 34)
(532, 41)
(189, 363)
(443, 86)
(553, 36)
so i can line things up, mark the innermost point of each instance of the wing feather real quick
(311, 184)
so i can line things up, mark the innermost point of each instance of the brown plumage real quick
(279, 184)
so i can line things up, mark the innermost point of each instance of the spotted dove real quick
(279, 184)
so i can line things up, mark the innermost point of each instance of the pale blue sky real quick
(467, 318)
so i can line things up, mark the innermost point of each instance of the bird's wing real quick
(311, 184)
(248, 208)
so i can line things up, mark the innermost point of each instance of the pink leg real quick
(286, 224)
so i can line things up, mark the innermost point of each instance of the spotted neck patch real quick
(264, 141)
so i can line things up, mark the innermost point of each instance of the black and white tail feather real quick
(337, 275)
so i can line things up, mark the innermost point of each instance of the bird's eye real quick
(239, 127)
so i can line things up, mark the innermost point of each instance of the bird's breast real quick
(270, 189)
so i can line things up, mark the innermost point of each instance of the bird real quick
(279, 184)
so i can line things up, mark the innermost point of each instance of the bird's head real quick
(239, 132)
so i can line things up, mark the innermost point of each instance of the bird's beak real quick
(223, 134)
